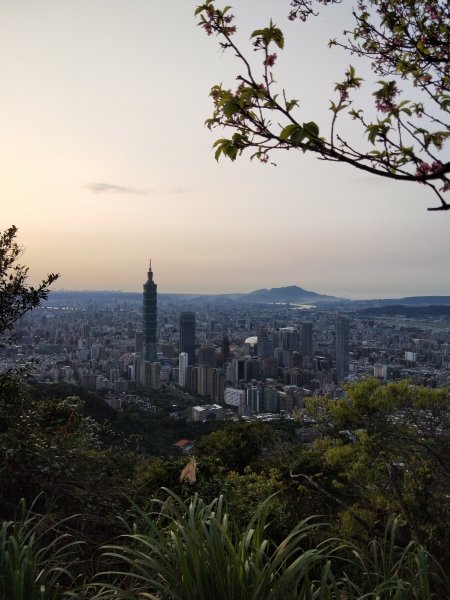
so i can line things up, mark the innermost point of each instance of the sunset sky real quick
(105, 161)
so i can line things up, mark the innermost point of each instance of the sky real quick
(105, 161)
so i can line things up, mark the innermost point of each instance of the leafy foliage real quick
(35, 557)
(16, 297)
(50, 449)
(193, 550)
(385, 450)
(239, 444)
(407, 44)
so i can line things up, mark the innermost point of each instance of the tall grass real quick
(192, 551)
(386, 571)
(34, 558)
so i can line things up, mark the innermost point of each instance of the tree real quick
(408, 45)
(385, 450)
(238, 445)
(16, 297)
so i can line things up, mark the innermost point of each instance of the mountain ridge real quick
(288, 294)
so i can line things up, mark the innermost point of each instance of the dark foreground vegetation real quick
(362, 512)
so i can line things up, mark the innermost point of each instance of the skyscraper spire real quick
(150, 272)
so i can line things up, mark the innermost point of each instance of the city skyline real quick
(105, 160)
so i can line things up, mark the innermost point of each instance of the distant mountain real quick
(292, 293)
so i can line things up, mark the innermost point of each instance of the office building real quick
(290, 339)
(218, 386)
(254, 398)
(307, 348)
(234, 396)
(138, 342)
(149, 318)
(207, 356)
(205, 380)
(187, 335)
(265, 348)
(270, 400)
(342, 344)
(182, 366)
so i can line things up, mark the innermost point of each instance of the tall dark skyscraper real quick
(149, 317)
(307, 347)
(342, 338)
(187, 335)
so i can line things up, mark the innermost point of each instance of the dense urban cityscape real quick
(256, 360)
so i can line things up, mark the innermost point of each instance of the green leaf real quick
(311, 130)
(297, 136)
(230, 108)
(270, 34)
(278, 38)
(288, 131)
(257, 33)
(291, 104)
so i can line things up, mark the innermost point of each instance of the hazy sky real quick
(105, 161)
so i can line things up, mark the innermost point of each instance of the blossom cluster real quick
(424, 169)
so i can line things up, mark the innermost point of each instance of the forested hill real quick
(407, 311)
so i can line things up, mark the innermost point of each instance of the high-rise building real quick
(205, 380)
(265, 348)
(307, 348)
(138, 342)
(290, 339)
(342, 343)
(270, 400)
(192, 379)
(149, 317)
(270, 367)
(238, 367)
(155, 375)
(207, 356)
(182, 366)
(218, 385)
(225, 348)
(187, 335)
(150, 374)
(254, 398)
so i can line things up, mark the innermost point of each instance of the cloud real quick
(107, 188)
(179, 190)
(100, 187)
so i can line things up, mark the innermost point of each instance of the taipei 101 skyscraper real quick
(149, 317)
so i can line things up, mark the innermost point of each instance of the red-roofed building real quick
(184, 445)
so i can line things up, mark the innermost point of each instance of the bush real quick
(35, 557)
(193, 551)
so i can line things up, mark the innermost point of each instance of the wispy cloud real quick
(100, 187)
(178, 190)
(109, 188)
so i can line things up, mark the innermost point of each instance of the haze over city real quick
(106, 163)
